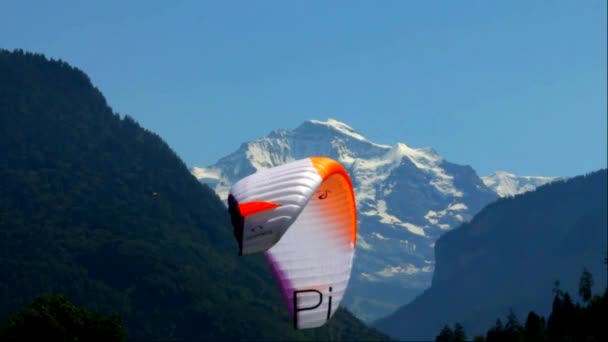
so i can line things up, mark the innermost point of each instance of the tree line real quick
(567, 321)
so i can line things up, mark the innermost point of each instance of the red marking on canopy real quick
(250, 208)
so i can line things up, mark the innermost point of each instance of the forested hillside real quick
(509, 256)
(94, 207)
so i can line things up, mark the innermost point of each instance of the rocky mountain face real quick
(407, 197)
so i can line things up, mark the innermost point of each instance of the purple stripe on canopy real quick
(282, 280)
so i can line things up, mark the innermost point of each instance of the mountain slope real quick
(406, 197)
(95, 207)
(509, 256)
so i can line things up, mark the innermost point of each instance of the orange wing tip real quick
(251, 208)
(327, 167)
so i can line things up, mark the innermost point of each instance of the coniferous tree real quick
(459, 334)
(568, 316)
(445, 335)
(496, 333)
(554, 324)
(556, 289)
(585, 285)
(513, 329)
(534, 327)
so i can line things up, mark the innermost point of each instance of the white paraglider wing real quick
(303, 216)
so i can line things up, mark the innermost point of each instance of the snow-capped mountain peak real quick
(424, 158)
(406, 198)
(340, 127)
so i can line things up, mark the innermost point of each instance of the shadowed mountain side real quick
(94, 207)
(509, 256)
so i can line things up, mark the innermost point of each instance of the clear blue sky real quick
(512, 85)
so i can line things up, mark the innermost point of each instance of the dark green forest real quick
(95, 208)
(55, 318)
(567, 321)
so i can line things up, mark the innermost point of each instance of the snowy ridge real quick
(507, 184)
(340, 127)
(427, 159)
(204, 173)
(406, 198)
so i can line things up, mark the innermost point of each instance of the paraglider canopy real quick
(302, 215)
